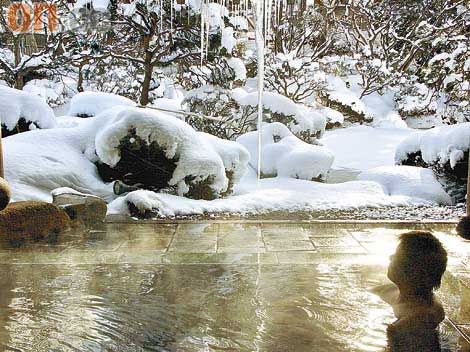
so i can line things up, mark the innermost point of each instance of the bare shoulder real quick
(389, 292)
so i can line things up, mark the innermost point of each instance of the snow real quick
(364, 147)
(92, 103)
(332, 116)
(338, 91)
(238, 67)
(275, 102)
(438, 145)
(195, 156)
(57, 161)
(228, 40)
(285, 155)
(235, 156)
(272, 194)
(409, 181)
(239, 22)
(101, 5)
(16, 104)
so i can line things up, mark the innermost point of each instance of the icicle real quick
(161, 16)
(203, 21)
(260, 46)
(171, 16)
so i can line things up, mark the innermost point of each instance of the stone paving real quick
(243, 243)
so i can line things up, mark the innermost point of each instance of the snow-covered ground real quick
(66, 155)
(273, 194)
(364, 147)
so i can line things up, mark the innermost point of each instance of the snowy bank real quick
(89, 104)
(286, 155)
(443, 149)
(19, 107)
(408, 181)
(440, 145)
(272, 194)
(364, 147)
(201, 166)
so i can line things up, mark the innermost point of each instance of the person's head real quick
(418, 263)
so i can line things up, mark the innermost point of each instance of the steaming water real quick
(323, 307)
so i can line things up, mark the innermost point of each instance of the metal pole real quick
(468, 184)
(2, 175)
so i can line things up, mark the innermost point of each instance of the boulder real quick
(24, 221)
(5, 194)
(83, 209)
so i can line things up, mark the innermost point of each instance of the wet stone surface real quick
(266, 286)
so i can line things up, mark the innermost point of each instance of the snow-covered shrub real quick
(89, 104)
(217, 103)
(340, 97)
(414, 101)
(285, 155)
(22, 111)
(298, 78)
(333, 118)
(408, 181)
(304, 123)
(443, 149)
(448, 74)
(235, 113)
(155, 151)
(54, 93)
(234, 156)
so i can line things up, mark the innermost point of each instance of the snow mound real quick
(50, 159)
(16, 104)
(339, 92)
(333, 118)
(440, 145)
(274, 102)
(286, 155)
(92, 103)
(272, 194)
(234, 155)
(196, 159)
(408, 181)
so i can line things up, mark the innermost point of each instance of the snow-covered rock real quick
(16, 105)
(234, 156)
(408, 181)
(286, 155)
(271, 194)
(440, 145)
(445, 150)
(204, 167)
(196, 161)
(51, 159)
(89, 104)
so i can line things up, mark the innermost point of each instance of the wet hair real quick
(423, 260)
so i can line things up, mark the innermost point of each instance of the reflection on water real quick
(323, 307)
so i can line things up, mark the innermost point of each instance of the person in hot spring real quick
(416, 270)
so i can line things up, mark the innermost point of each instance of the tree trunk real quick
(19, 81)
(80, 79)
(148, 71)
